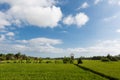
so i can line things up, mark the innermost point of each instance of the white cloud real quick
(36, 45)
(100, 49)
(69, 20)
(47, 45)
(10, 34)
(43, 13)
(111, 2)
(79, 19)
(64, 31)
(43, 3)
(111, 18)
(97, 1)
(2, 38)
(44, 41)
(118, 30)
(83, 6)
(3, 20)
(114, 2)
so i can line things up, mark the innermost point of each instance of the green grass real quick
(45, 72)
(108, 68)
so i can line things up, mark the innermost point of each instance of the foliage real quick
(111, 58)
(67, 60)
(19, 58)
(79, 61)
(105, 59)
(48, 61)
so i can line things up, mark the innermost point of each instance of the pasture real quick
(51, 71)
(108, 68)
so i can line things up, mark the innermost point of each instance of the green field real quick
(11, 71)
(108, 68)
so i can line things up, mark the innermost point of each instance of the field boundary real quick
(95, 72)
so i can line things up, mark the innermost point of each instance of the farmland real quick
(17, 71)
(108, 68)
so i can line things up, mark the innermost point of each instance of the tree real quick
(9, 56)
(40, 60)
(23, 57)
(109, 56)
(112, 58)
(66, 60)
(18, 55)
(104, 59)
(2, 57)
(79, 61)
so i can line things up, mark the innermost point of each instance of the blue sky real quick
(57, 28)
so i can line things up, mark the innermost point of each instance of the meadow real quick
(42, 71)
(107, 68)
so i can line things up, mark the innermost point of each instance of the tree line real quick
(18, 57)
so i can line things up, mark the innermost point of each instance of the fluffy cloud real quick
(101, 48)
(69, 20)
(36, 45)
(41, 13)
(10, 34)
(3, 20)
(44, 3)
(79, 19)
(83, 6)
(47, 46)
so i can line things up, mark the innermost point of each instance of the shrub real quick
(48, 62)
(105, 59)
(66, 60)
(71, 61)
(114, 59)
(79, 61)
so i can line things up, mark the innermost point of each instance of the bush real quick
(66, 60)
(79, 61)
(48, 62)
(105, 59)
(114, 59)
(71, 61)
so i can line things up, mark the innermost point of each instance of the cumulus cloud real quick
(79, 19)
(102, 48)
(36, 45)
(83, 6)
(47, 45)
(69, 20)
(43, 13)
(3, 20)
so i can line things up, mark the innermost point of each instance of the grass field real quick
(9, 71)
(108, 68)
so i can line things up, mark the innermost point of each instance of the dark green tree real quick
(79, 61)
(10, 56)
(18, 55)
